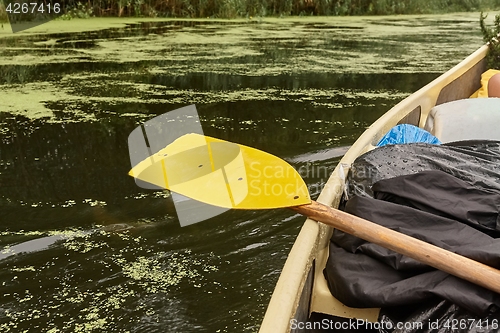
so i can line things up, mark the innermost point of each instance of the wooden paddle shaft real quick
(426, 253)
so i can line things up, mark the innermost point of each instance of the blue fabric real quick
(405, 133)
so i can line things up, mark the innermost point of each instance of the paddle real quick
(230, 175)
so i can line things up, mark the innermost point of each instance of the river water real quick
(83, 249)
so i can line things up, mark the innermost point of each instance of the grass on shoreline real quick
(260, 8)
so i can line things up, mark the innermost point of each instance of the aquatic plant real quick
(490, 36)
(10, 74)
(79, 10)
(3, 13)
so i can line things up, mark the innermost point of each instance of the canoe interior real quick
(301, 293)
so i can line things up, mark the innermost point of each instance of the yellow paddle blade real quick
(223, 174)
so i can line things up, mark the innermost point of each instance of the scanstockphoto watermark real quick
(449, 325)
(266, 179)
(26, 14)
(353, 324)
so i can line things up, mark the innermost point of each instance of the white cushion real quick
(465, 119)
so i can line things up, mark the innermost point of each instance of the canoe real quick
(302, 289)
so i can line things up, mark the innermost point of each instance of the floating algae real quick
(101, 302)
(157, 274)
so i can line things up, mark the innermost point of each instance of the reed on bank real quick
(246, 8)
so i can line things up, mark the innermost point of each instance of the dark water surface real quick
(83, 249)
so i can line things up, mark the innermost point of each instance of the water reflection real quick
(91, 251)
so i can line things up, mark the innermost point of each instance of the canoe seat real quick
(465, 119)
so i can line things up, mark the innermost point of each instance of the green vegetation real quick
(247, 8)
(79, 10)
(3, 14)
(490, 35)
